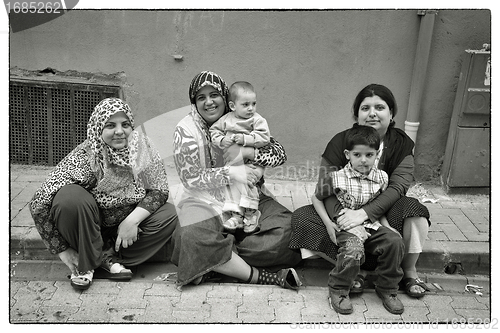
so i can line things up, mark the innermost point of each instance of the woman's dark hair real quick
(362, 135)
(375, 90)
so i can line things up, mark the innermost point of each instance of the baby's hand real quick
(226, 142)
(238, 138)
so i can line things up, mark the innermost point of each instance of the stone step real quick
(439, 257)
(311, 273)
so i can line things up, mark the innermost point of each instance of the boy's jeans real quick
(384, 243)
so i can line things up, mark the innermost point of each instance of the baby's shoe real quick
(234, 222)
(251, 220)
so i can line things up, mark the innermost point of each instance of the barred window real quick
(49, 119)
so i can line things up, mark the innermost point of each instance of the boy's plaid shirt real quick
(353, 189)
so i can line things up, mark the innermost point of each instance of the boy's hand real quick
(360, 232)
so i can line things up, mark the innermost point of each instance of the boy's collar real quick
(352, 173)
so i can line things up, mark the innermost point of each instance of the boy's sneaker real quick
(391, 301)
(340, 301)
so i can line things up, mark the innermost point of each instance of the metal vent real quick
(49, 119)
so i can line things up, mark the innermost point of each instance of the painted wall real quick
(307, 66)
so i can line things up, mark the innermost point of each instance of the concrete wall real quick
(307, 66)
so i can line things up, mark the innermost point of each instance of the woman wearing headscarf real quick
(202, 247)
(105, 204)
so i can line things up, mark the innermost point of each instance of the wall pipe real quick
(419, 72)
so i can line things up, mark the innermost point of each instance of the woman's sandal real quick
(358, 285)
(288, 279)
(83, 280)
(408, 283)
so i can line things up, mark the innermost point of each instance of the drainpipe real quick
(419, 72)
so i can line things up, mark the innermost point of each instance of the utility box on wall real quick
(466, 163)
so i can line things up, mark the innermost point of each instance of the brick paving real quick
(162, 302)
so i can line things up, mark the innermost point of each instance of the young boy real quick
(245, 127)
(359, 182)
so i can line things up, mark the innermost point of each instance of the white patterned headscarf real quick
(211, 79)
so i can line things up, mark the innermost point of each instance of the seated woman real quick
(374, 106)
(202, 246)
(105, 204)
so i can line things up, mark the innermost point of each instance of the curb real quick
(439, 257)
(455, 257)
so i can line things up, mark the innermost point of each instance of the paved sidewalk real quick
(161, 302)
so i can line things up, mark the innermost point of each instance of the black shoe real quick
(114, 270)
(211, 276)
(340, 301)
(391, 301)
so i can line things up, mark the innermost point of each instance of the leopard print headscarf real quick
(102, 154)
(120, 173)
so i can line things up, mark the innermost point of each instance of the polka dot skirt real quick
(403, 208)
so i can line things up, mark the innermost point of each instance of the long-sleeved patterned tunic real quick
(200, 163)
(116, 199)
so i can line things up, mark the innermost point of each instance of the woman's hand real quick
(331, 228)
(394, 230)
(127, 234)
(350, 218)
(70, 258)
(236, 154)
(385, 223)
(128, 229)
(247, 174)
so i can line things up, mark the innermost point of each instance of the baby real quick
(245, 127)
